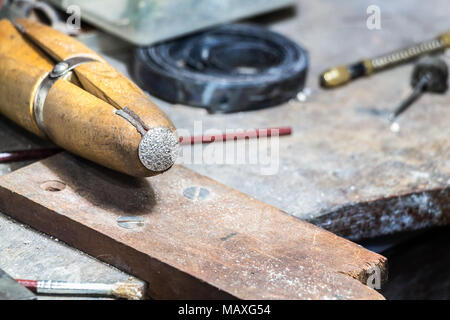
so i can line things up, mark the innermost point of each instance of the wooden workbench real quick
(342, 169)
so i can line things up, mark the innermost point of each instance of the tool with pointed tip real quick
(340, 75)
(430, 74)
(58, 89)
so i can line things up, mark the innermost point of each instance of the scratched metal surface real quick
(150, 21)
(340, 153)
(343, 168)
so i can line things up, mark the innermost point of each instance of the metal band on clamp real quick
(59, 70)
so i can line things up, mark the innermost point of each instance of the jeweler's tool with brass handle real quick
(342, 74)
(57, 88)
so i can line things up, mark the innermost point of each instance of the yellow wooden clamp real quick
(57, 88)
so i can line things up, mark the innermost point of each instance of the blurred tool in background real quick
(231, 68)
(342, 74)
(35, 154)
(123, 290)
(431, 75)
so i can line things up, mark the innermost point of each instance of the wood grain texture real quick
(22, 67)
(224, 245)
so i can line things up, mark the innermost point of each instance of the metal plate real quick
(11, 290)
(144, 22)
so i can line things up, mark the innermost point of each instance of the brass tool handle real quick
(342, 74)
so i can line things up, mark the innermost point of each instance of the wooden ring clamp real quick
(78, 103)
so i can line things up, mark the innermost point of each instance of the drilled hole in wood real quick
(53, 185)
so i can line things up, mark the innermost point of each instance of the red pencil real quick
(248, 134)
